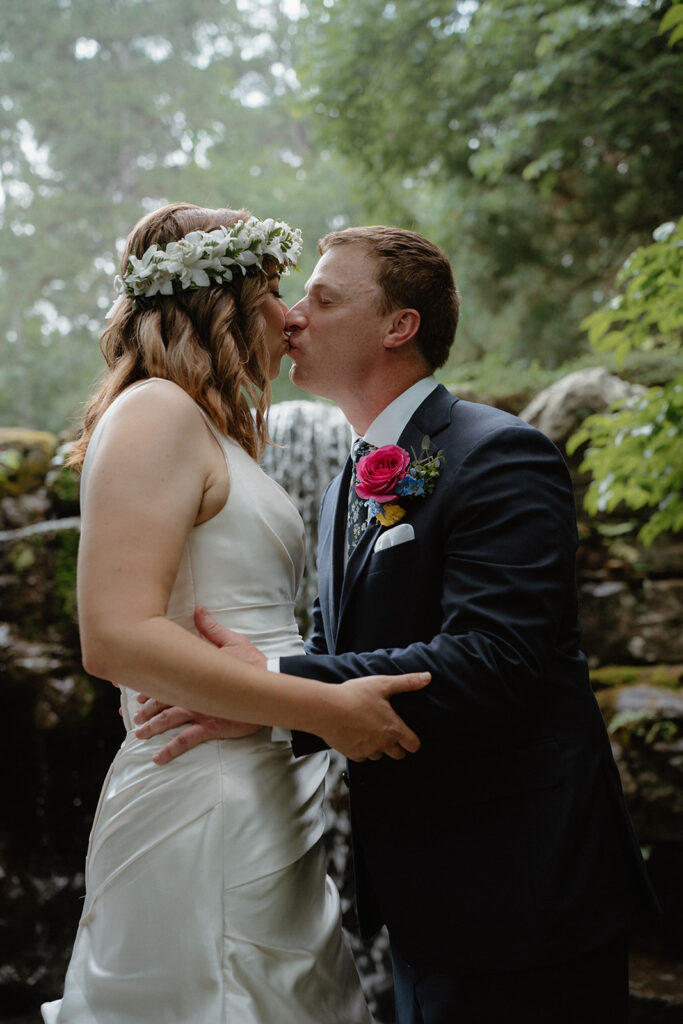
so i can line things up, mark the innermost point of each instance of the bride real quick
(206, 894)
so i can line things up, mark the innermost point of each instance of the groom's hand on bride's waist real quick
(228, 639)
(155, 718)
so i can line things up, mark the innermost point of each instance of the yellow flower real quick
(390, 514)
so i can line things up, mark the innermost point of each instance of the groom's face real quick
(337, 328)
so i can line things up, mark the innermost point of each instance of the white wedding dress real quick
(206, 898)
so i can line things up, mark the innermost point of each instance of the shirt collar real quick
(391, 422)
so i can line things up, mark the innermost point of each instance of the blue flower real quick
(411, 484)
(374, 507)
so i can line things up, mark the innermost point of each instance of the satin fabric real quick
(206, 894)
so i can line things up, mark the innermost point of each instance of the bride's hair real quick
(209, 340)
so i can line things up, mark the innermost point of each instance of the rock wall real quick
(62, 727)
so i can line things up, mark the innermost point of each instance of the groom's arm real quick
(507, 585)
(316, 642)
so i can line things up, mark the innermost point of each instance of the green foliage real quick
(135, 104)
(64, 485)
(22, 557)
(635, 451)
(670, 676)
(511, 383)
(507, 383)
(673, 22)
(645, 724)
(10, 462)
(65, 575)
(649, 310)
(524, 138)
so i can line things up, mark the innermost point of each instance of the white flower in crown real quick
(205, 257)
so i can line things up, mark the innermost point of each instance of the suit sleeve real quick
(507, 533)
(305, 742)
(316, 643)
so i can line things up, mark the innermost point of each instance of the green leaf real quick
(676, 35)
(674, 16)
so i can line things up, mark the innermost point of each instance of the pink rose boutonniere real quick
(388, 473)
(379, 473)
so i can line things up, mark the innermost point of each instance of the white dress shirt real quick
(392, 421)
(384, 429)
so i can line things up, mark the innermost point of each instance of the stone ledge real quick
(36, 529)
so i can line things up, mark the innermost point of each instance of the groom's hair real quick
(411, 273)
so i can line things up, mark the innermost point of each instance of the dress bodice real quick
(244, 564)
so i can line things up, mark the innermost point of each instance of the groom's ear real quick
(404, 325)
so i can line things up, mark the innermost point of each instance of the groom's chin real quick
(295, 377)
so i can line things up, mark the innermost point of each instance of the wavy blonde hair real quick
(210, 341)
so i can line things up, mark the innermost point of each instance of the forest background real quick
(537, 143)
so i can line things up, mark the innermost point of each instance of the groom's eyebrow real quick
(317, 286)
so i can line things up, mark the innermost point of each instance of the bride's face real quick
(274, 312)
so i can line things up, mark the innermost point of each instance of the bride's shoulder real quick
(151, 414)
(156, 398)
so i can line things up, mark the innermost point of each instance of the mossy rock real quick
(38, 572)
(63, 483)
(670, 676)
(25, 457)
(638, 706)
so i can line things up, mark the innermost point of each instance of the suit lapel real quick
(428, 419)
(356, 564)
(333, 571)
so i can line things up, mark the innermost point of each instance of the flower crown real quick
(202, 258)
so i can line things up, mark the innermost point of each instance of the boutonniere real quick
(388, 473)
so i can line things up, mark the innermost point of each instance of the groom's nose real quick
(296, 317)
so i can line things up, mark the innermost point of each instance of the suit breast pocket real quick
(392, 559)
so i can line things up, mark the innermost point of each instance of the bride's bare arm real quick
(155, 475)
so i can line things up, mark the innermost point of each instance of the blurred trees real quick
(536, 142)
(107, 109)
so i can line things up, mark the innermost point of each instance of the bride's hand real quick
(361, 723)
(155, 718)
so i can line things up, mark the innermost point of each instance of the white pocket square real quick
(396, 535)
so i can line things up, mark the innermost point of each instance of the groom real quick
(500, 856)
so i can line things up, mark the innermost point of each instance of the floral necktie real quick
(357, 514)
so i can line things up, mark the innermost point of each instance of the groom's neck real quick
(362, 406)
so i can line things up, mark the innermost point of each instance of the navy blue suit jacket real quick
(505, 841)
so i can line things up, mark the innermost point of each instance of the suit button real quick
(345, 778)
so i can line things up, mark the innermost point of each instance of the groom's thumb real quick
(210, 629)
